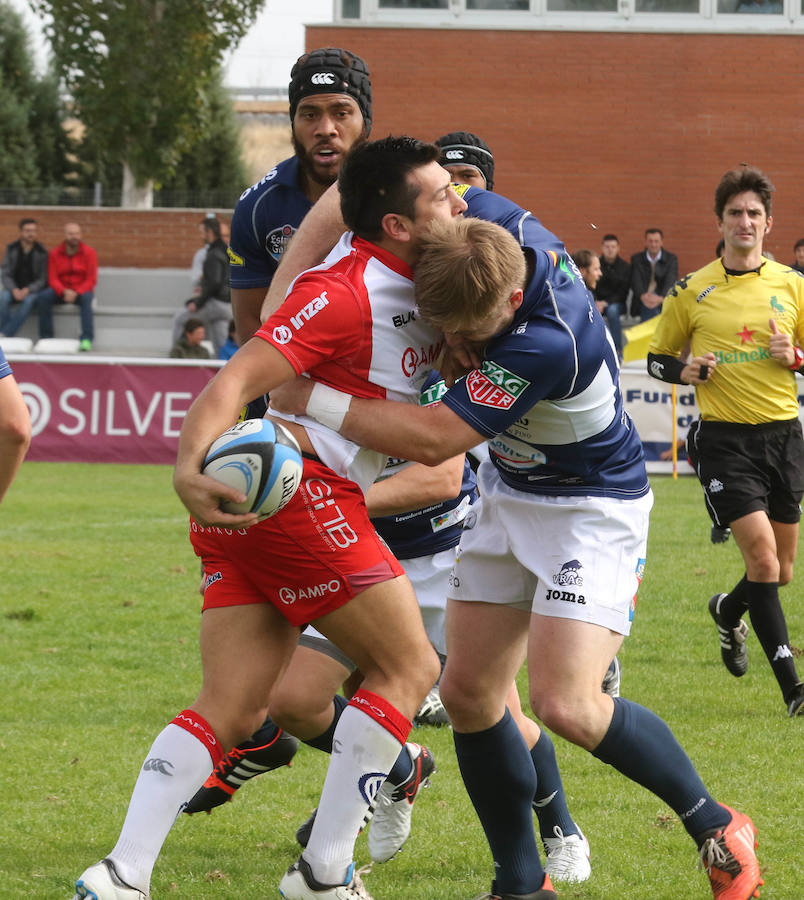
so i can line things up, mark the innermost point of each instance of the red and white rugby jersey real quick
(350, 323)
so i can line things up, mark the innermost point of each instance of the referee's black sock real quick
(770, 627)
(735, 603)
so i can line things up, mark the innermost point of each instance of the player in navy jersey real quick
(552, 565)
(330, 111)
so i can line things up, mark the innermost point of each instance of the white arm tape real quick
(328, 406)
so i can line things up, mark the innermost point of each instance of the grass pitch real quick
(99, 614)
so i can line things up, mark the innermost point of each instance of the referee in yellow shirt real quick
(744, 318)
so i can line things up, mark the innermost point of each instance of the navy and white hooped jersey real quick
(265, 218)
(431, 529)
(547, 393)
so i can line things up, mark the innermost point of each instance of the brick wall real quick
(152, 239)
(621, 131)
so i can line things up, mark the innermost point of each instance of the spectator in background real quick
(798, 251)
(72, 273)
(229, 348)
(613, 287)
(653, 272)
(212, 304)
(190, 344)
(15, 426)
(24, 274)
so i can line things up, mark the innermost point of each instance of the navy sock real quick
(501, 782)
(770, 628)
(550, 801)
(324, 740)
(735, 603)
(641, 746)
(262, 736)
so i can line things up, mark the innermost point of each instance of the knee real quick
(572, 718)
(763, 565)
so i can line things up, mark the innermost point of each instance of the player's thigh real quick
(303, 696)
(486, 646)
(567, 659)
(381, 629)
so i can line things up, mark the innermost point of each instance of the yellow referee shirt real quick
(729, 316)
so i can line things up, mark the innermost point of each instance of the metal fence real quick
(61, 196)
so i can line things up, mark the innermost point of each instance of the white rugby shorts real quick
(565, 557)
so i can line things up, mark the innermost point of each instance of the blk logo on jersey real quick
(494, 386)
(277, 240)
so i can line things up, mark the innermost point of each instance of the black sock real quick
(324, 740)
(501, 782)
(735, 603)
(641, 746)
(770, 628)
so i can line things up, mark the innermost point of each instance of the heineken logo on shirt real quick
(495, 386)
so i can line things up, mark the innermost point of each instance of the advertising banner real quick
(108, 410)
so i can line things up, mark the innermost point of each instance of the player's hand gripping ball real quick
(260, 458)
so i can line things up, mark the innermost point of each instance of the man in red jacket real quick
(72, 272)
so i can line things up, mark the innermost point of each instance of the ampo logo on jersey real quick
(312, 592)
(323, 78)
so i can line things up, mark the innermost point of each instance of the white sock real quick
(362, 755)
(175, 768)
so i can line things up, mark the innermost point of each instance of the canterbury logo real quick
(454, 154)
(323, 78)
(158, 765)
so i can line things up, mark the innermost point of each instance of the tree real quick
(140, 74)
(35, 152)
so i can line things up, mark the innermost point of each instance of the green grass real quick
(99, 614)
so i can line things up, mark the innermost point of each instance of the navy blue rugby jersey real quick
(265, 218)
(431, 529)
(547, 393)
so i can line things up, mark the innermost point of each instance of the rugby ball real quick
(260, 458)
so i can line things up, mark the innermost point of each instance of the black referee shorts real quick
(747, 468)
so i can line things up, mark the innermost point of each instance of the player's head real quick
(469, 278)
(212, 229)
(589, 265)
(394, 188)
(738, 181)
(330, 109)
(467, 158)
(743, 208)
(798, 251)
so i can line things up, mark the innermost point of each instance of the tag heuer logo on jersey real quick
(569, 573)
(277, 240)
(433, 394)
(494, 386)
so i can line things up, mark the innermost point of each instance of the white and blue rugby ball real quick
(260, 458)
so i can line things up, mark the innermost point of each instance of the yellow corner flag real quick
(638, 339)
